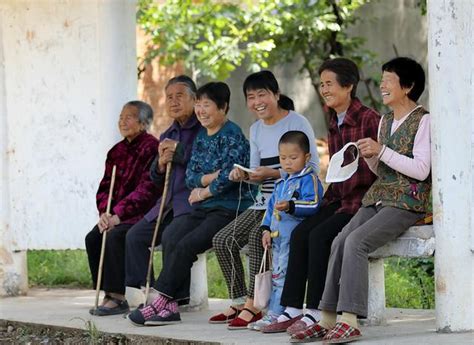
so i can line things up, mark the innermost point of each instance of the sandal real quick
(222, 318)
(239, 323)
(341, 333)
(121, 308)
(104, 300)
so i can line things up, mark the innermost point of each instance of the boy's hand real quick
(266, 239)
(282, 206)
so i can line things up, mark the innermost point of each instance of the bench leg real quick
(198, 289)
(376, 298)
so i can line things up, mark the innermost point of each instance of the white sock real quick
(314, 313)
(293, 312)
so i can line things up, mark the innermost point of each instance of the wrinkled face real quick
(263, 103)
(179, 103)
(207, 112)
(292, 157)
(337, 97)
(129, 124)
(392, 92)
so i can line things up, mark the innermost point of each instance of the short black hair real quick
(346, 71)
(261, 80)
(295, 137)
(266, 80)
(286, 102)
(183, 79)
(216, 91)
(410, 73)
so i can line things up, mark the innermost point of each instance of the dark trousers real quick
(113, 270)
(310, 246)
(186, 237)
(138, 243)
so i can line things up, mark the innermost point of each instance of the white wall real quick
(66, 69)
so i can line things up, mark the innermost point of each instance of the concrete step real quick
(69, 308)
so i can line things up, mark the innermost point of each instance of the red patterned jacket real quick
(134, 193)
(359, 122)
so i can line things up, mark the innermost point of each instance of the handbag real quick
(263, 282)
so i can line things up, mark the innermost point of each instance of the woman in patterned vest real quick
(397, 199)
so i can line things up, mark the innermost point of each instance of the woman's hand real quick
(262, 173)
(107, 222)
(207, 179)
(198, 195)
(282, 206)
(266, 239)
(166, 151)
(103, 222)
(368, 147)
(238, 175)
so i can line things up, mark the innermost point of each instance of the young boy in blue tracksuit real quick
(295, 197)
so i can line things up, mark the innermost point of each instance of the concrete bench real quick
(416, 242)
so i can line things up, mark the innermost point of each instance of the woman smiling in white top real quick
(275, 117)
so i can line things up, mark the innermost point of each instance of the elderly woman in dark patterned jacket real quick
(399, 197)
(133, 195)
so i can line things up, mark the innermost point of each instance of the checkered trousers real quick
(245, 229)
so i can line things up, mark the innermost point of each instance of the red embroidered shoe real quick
(277, 327)
(300, 325)
(312, 333)
(341, 333)
(222, 318)
(239, 323)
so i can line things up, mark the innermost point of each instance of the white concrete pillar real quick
(376, 297)
(451, 86)
(198, 289)
(13, 271)
(66, 69)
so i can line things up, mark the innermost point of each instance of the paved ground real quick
(69, 308)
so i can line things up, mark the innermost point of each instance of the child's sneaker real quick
(264, 321)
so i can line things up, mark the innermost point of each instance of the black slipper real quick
(106, 297)
(121, 308)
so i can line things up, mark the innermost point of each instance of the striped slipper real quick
(341, 333)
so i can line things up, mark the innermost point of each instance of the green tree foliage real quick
(212, 38)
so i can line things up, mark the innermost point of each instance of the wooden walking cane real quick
(157, 226)
(104, 236)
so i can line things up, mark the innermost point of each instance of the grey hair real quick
(186, 81)
(145, 112)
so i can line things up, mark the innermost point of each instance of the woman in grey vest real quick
(397, 199)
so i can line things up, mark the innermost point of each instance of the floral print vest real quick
(392, 188)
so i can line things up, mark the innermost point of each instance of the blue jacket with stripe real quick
(304, 192)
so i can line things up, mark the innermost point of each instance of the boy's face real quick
(292, 157)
